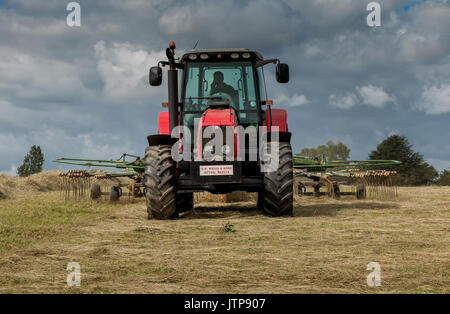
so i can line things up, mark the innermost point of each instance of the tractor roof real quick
(255, 55)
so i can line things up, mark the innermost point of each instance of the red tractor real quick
(223, 93)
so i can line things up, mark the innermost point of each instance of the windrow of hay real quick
(7, 185)
(40, 182)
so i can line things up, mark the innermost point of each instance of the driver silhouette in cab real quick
(219, 86)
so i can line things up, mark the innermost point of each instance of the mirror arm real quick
(179, 66)
(264, 62)
(165, 63)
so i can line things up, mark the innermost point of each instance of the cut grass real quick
(30, 218)
(324, 248)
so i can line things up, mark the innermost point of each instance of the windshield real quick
(232, 82)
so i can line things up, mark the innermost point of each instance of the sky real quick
(83, 91)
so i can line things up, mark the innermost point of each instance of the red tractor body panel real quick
(279, 118)
(217, 118)
(163, 122)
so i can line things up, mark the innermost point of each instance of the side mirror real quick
(155, 76)
(282, 73)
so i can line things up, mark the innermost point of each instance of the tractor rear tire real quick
(185, 202)
(278, 193)
(159, 183)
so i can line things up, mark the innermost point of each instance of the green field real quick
(324, 248)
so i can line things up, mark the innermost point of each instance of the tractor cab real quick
(217, 76)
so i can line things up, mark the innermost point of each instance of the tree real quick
(444, 177)
(413, 170)
(331, 151)
(32, 163)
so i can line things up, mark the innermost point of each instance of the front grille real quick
(211, 149)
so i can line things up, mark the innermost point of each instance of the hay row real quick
(40, 182)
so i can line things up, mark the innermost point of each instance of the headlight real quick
(234, 55)
(192, 57)
(204, 56)
(246, 55)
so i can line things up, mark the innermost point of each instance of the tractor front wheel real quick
(159, 183)
(277, 197)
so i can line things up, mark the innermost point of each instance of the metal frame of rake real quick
(377, 184)
(74, 184)
(77, 184)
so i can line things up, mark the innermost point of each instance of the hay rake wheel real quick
(96, 191)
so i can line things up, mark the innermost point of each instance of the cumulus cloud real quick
(124, 71)
(231, 23)
(420, 48)
(435, 99)
(374, 96)
(323, 13)
(176, 22)
(30, 78)
(295, 100)
(347, 101)
(367, 95)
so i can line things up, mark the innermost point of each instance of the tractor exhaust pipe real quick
(172, 87)
(173, 97)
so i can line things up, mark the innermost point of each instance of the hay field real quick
(324, 248)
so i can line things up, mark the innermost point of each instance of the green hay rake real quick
(363, 175)
(79, 184)
(315, 172)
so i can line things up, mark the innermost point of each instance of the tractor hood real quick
(220, 116)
